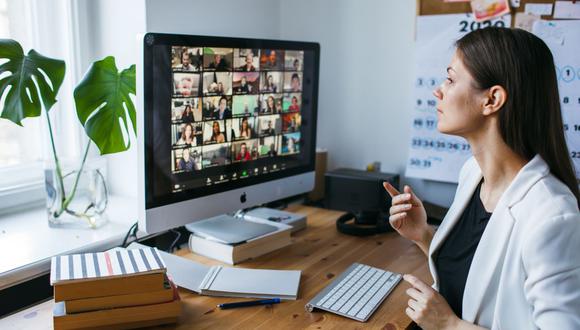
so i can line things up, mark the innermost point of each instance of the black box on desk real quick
(358, 191)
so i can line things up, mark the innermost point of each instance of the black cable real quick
(131, 232)
(172, 246)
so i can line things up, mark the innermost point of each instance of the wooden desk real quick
(321, 253)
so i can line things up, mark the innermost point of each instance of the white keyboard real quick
(356, 293)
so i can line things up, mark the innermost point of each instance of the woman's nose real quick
(437, 93)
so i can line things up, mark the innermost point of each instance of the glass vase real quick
(78, 200)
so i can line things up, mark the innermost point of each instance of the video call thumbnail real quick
(186, 160)
(290, 143)
(243, 128)
(217, 107)
(292, 81)
(186, 84)
(187, 134)
(272, 103)
(272, 59)
(245, 150)
(186, 110)
(246, 82)
(217, 83)
(291, 122)
(216, 155)
(247, 60)
(217, 59)
(269, 125)
(293, 60)
(292, 102)
(246, 105)
(269, 146)
(271, 81)
(188, 59)
(217, 131)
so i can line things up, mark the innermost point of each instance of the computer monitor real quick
(224, 124)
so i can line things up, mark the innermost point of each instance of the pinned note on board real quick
(567, 10)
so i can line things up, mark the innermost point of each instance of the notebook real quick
(229, 281)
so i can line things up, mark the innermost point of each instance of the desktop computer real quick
(224, 124)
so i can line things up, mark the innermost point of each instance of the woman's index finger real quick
(390, 189)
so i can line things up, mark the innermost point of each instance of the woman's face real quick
(185, 155)
(459, 102)
(216, 128)
(222, 104)
(270, 102)
(294, 101)
(270, 80)
(244, 124)
(188, 131)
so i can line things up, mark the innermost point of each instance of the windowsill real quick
(27, 242)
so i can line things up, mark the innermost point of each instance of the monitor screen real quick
(224, 113)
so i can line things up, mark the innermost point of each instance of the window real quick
(46, 27)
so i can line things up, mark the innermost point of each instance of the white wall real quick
(366, 79)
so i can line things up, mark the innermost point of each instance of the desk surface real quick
(321, 253)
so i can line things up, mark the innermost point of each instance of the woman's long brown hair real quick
(531, 119)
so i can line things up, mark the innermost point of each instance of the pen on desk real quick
(249, 303)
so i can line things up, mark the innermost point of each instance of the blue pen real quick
(249, 303)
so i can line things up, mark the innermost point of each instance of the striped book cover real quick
(113, 263)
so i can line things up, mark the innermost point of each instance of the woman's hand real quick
(428, 308)
(408, 215)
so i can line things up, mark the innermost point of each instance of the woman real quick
(506, 254)
(270, 86)
(270, 107)
(187, 137)
(187, 114)
(294, 106)
(217, 136)
(245, 130)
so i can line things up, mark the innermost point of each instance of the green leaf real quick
(101, 98)
(23, 96)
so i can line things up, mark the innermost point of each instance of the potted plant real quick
(104, 108)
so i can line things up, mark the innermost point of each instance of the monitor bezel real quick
(152, 39)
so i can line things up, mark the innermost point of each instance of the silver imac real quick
(223, 124)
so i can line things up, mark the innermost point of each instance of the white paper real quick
(539, 9)
(567, 10)
(563, 39)
(432, 155)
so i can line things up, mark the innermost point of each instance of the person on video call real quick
(184, 86)
(245, 130)
(294, 105)
(506, 254)
(258, 106)
(186, 163)
(278, 108)
(269, 130)
(219, 63)
(270, 86)
(220, 88)
(243, 155)
(295, 83)
(270, 106)
(187, 136)
(296, 65)
(272, 152)
(187, 114)
(216, 135)
(185, 61)
(222, 111)
(244, 87)
(248, 66)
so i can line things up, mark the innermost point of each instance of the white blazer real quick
(525, 273)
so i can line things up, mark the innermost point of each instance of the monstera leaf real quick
(101, 99)
(24, 98)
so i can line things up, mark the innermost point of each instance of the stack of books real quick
(113, 289)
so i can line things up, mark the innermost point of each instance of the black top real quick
(454, 257)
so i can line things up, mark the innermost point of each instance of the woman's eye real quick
(449, 80)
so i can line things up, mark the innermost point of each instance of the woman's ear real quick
(495, 98)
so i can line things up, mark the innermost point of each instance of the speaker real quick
(363, 196)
